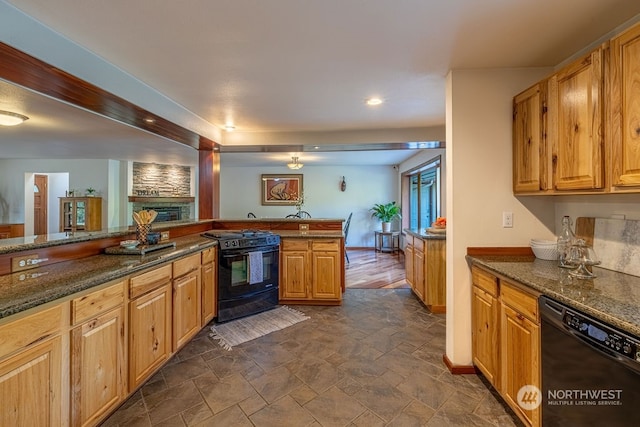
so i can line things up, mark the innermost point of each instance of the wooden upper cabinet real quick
(530, 162)
(624, 110)
(576, 124)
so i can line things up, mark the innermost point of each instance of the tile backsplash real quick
(617, 244)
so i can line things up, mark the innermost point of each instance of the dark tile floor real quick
(374, 361)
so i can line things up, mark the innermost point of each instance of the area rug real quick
(249, 328)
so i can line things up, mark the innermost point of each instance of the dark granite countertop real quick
(18, 244)
(424, 234)
(612, 297)
(31, 288)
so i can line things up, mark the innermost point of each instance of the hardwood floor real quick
(369, 269)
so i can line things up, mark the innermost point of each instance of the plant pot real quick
(386, 227)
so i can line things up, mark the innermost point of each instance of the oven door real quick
(235, 275)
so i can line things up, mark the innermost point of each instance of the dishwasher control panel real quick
(606, 336)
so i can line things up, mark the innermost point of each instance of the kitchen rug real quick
(249, 328)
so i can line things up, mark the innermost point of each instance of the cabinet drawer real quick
(150, 280)
(294, 244)
(485, 280)
(408, 240)
(208, 255)
(32, 329)
(418, 245)
(325, 245)
(97, 302)
(186, 265)
(519, 300)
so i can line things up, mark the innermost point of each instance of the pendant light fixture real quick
(294, 164)
(7, 118)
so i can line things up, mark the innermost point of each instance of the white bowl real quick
(548, 253)
(129, 244)
(543, 242)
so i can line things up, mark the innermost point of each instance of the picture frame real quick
(280, 189)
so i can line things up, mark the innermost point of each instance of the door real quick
(40, 203)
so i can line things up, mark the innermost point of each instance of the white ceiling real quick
(308, 65)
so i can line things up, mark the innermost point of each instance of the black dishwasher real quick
(590, 370)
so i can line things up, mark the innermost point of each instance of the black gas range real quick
(248, 272)
(243, 239)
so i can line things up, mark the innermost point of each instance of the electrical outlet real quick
(26, 262)
(507, 219)
(164, 235)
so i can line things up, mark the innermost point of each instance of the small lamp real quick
(343, 184)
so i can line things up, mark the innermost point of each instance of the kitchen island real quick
(426, 266)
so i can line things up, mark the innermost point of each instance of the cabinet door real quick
(149, 334)
(186, 308)
(520, 349)
(97, 367)
(209, 293)
(625, 109)
(530, 159)
(408, 265)
(30, 386)
(435, 276)
(485, 325)
(576, 103)
(418, 273)
(294, 275)
(325, 283)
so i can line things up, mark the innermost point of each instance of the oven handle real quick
(235, 252)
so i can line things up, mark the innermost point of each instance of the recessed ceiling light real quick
(7, 118)
(149, 120)
(230, 128)
(374, 101)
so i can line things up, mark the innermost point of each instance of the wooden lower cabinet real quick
(425, 268)
(310, 271)
(32, 387)
(506, 338)
(408, 262)
(149, 334)
(485, 319)
(98, 363)
(435, 275)
(187, 316)
(209, 285)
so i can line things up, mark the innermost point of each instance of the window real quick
(422, 192)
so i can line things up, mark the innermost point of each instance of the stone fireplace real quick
(163, 188)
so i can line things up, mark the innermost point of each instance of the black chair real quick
(303, 214)
(292, 216)
(251, 215)
(346, 233)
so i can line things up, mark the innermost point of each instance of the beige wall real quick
(479, 188)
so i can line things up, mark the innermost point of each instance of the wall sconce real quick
(294, 164)
(7, 118)
(343, 184)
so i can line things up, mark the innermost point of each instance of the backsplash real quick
(617, 244)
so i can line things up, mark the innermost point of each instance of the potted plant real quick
(386, 213)
(90, 192)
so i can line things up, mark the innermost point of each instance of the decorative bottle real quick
(565, 241)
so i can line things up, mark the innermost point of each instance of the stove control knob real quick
(626, 348)
(583, 326)
(618, 346)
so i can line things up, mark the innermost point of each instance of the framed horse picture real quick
(284, 189)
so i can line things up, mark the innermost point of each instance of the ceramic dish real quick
(129, 244)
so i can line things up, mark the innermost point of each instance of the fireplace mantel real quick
(154, 199)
